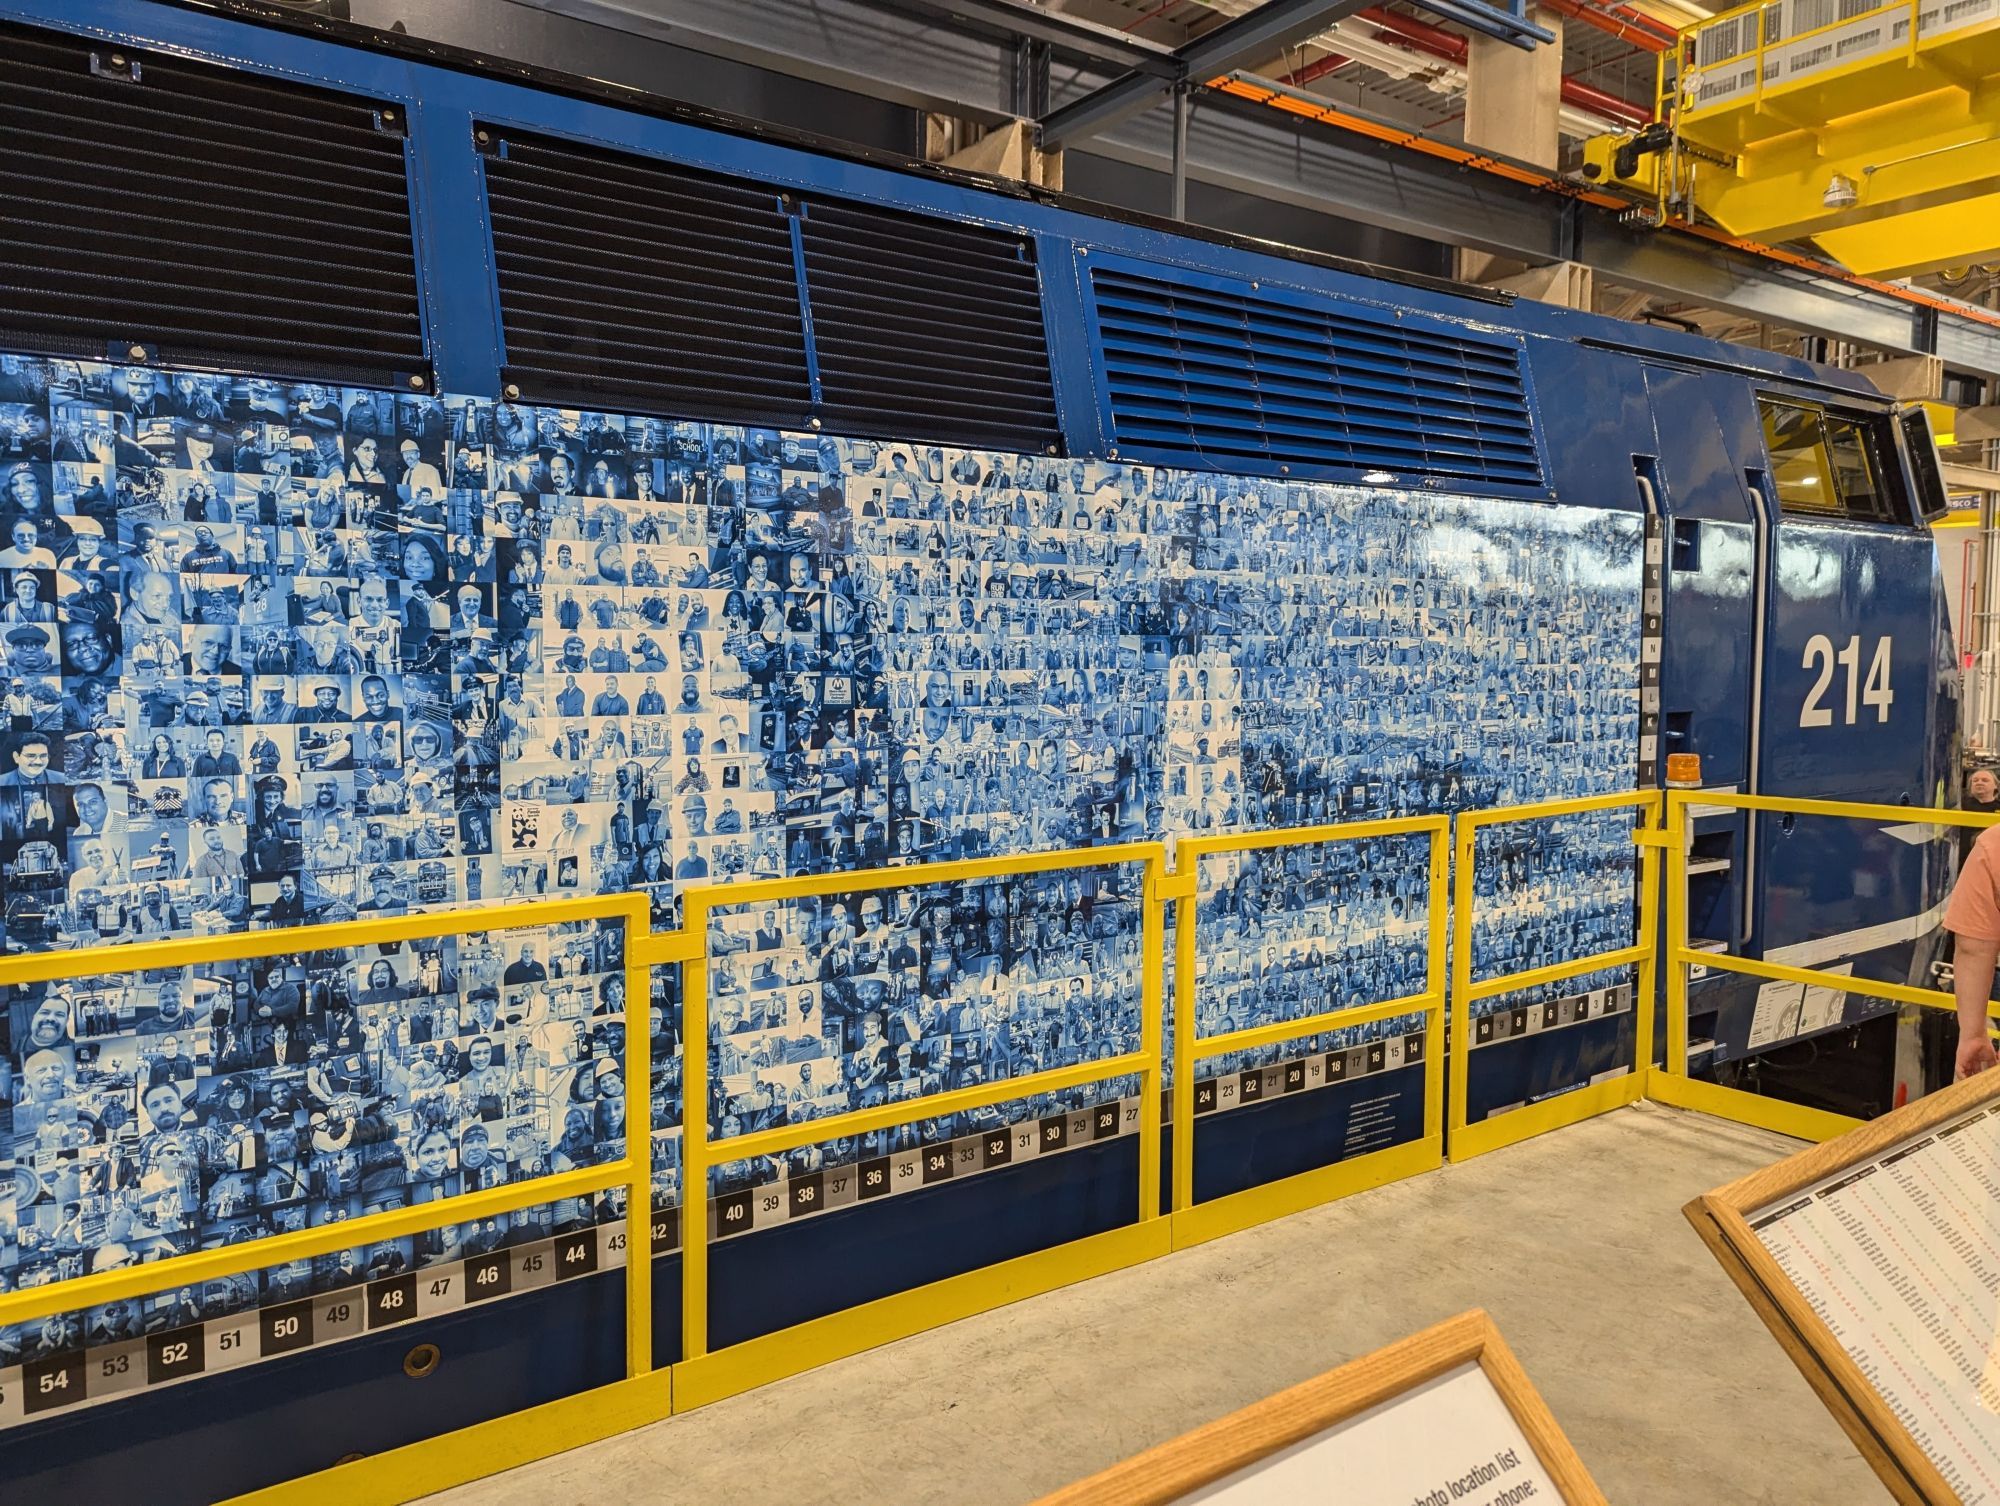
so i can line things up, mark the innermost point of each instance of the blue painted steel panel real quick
(192, 1444)
(766, 1281)
(1283, 1137)
(1595, 416)
(453, 101)
(1529, 1069)
(1708, 434)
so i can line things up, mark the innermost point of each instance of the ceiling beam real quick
(1068, 34)
(957, 68)
(1236, 43)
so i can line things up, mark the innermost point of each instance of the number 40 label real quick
(1873, 692)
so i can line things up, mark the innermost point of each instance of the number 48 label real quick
(1873, 692)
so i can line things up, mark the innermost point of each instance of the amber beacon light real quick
(1683, 771)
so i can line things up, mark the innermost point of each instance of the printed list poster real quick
(1900, 1257)
(1448, 1442)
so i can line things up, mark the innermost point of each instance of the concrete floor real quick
(1668, 1385)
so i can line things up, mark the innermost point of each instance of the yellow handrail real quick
(699, 1153)
(1683, 956)
(1465, 990)
(32, 1303)
(633, 1170)
(1190, 1048)
(1671, 1082)
(687, 946)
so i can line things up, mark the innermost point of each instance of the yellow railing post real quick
(1437, 915)
(694, 1126)
(1652, 839)
(1459, 1034)
(1677, 933)
(1184, 992)
(1152, 1000)
(638, 1141)
(1757, 18)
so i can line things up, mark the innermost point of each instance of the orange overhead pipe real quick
(1620, 21)
(1390, 135)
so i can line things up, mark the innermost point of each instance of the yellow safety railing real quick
(704, 1376)
(1465, 1140)
(1671, 1082)
(1759, 17)
(1195, 1222)
(647, 1394)
(632, 1171)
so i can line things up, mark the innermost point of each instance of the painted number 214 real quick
(1874, 692)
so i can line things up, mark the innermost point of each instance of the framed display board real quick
(1446, 1416)
(1874, 1259)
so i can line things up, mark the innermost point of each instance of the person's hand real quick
(1975, 1054)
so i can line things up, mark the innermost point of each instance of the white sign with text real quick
(1449, 1442)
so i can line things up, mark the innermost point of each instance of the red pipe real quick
(1418, 36)
(1319, 69)
(1413, 35)
(1598, 102)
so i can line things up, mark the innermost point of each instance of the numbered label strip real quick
(1324, 1069)
(207, 1348)
(1556, 1014)
(107, 1372)
(803, 1194)
(1652, 629)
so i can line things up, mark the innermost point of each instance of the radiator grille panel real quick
(223, 218)
(624, 279)
(927, 329)
(1230, 380)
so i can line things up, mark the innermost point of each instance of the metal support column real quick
(1183, 105)
(1028, 87)
(1982, 687)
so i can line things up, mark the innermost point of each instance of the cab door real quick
(1714, 548)
(1847, 704)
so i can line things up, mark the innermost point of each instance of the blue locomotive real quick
(429, 488)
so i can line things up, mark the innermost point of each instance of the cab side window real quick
(1826, 464)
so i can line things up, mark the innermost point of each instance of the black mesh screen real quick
(629, 281)
(927, 329)
(221, 218)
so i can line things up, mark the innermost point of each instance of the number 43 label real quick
(1874, 692)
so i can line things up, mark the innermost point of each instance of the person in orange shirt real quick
(1973, 916)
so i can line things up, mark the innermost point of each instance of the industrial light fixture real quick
(1840, 192)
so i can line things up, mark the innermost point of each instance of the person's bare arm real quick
(1973, 966)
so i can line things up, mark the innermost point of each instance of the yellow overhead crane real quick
(1871, 130)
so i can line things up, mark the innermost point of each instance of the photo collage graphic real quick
(282, 654)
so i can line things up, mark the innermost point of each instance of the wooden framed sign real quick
(1446, 1417)
(1874, 1259)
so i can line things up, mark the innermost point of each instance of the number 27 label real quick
(1874, 691)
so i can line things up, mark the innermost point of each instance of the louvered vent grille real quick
(927, 329)
(220, 217)
(629, 281)
(1230, 381)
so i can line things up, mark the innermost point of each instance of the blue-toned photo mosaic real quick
(821, 1006)
(283, 654)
